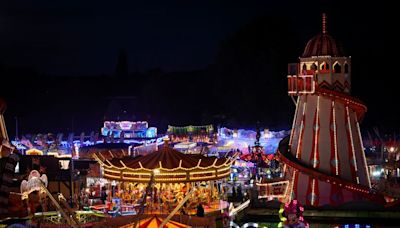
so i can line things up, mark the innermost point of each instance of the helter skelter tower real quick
(324, 154)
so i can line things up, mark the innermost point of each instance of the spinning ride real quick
(171, 174)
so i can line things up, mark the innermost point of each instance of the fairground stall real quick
(191, 133)
(242, 140)
(170, 175)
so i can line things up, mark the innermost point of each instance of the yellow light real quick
(156, 171)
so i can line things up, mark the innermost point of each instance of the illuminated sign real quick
(128, 129)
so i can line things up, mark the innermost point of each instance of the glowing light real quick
(335, 139)
(315, 162)
(151, 132)
(376, 173)
(301, 130)
(363, 154)
(129, 129)
(34, 151)
(294, 122)
(250, 224)
(352, 144)
(292, 185)
(281, 210)
(313, 192)
(242, 206)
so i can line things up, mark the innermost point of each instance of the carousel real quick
(170, 175)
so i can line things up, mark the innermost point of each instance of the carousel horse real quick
(202, 197)
(179, 196)
(191, 204)
(168, 198)
(208, 198)
(215, 194)
(126, 197)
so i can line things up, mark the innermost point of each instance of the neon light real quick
(301, 129)
(363, 154)
(272, 183)
(335, 139)
(250, 224)
(313, 192)
(284, 168)
(237, 209)
(129, 129)
(292, 183)
(294, 122)
(352, 144)
(279, 183)
(315, 164)
(3, 129)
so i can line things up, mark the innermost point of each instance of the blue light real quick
(151, 132)
(355, 226)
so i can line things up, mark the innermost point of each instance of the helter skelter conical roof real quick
(323, 44)
(167, 165)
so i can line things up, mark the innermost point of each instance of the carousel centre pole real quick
(142, 204)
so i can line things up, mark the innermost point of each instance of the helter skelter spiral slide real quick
(324, 154)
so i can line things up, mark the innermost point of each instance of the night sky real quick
(83, 37)
(77, 41)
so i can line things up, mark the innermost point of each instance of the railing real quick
(300, 84)
(291, 161)
(70, 220)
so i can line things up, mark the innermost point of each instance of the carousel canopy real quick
(34, 151)
(167, 165)
(155, 222)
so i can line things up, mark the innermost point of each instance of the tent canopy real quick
(167, 165)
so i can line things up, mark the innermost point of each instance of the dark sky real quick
(81, 38)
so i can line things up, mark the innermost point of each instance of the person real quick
(183, 212)
(200, 210)
(103, 195)
(71, 202)
(239, 194)
(225, 218)
(183, 208)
